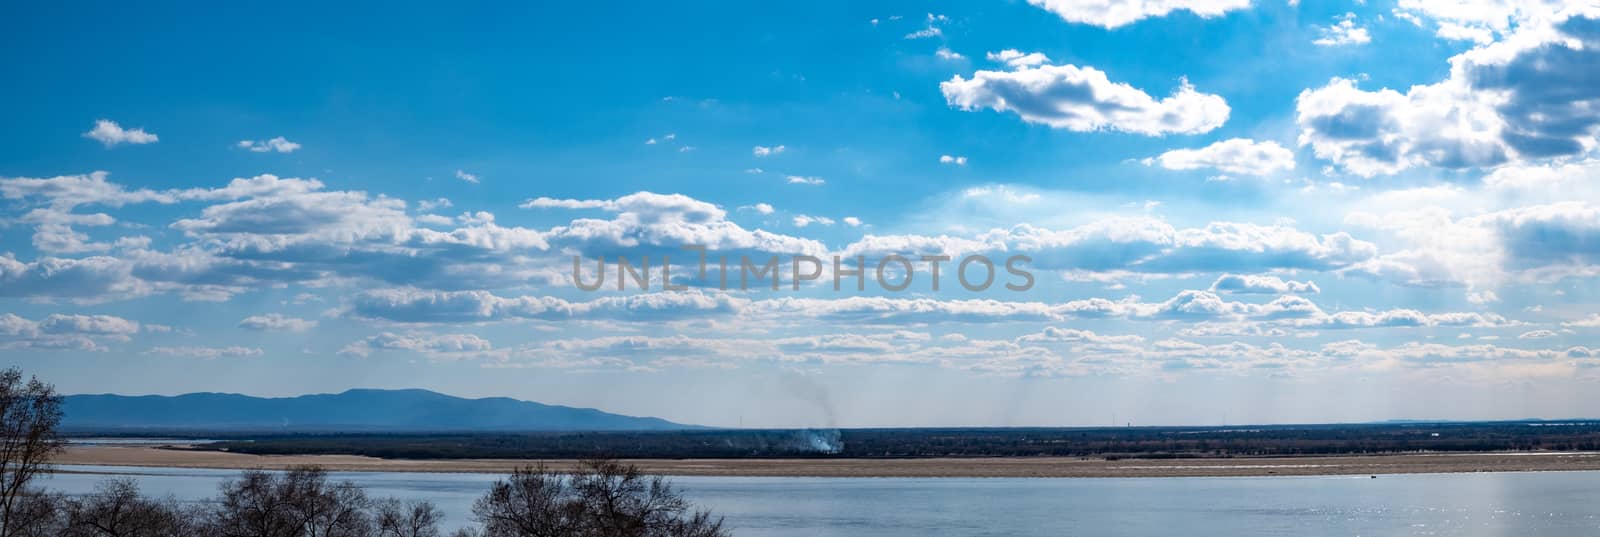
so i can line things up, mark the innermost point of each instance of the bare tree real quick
(29, 414)
(407, 519)
(601, 498)
(37, 514)
(117, 509)
(297, 503)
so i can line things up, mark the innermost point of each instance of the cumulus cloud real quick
(66, 192)
(1084, 99)
(761, 208)
(1116, 13)
(1144, 245)
(1239, 156)
(1592, 321)
(64, 332)
(646, 222)
(1533, 243)
(806, 220)
(956, 160)
(86, 280)
(258, 231)
(1524, 98)
(421, 306)
(1016, 58)
(267, 230)
(1254, 284)
(1344, 32)
(111, 134)
(764, 151)
(932, 30)
(1402, 318)
(275, 145)
(1478, 21)
(468, 177)
(944, 53)
(277, 322)
(439, 346)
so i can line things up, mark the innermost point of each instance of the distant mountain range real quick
(353, 410)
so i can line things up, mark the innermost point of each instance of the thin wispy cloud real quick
(275, 145)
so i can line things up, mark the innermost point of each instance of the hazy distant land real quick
(417, 430)
(924, 467)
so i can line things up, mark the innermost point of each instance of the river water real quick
(1532, 504)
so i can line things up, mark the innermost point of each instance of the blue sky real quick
(1237, 211)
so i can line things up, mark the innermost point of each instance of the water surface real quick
(1534, 504)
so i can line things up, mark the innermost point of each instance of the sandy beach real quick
(161, 456)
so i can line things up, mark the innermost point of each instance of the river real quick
(1529, 504)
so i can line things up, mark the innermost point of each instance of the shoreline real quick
(1050, 467)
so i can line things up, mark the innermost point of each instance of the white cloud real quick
(278, 144)
(933, 28)
(1116, 13)
(956, 160)
(430, 205)
(102, 325)
(443, 346)
(111, 134)
(207, 353)
(421, 306)
(944, 53)
(1402, 318)
(1083, 99)
(1592, 321)
(805, 220)
(1479, 20)
(803, 180)
(464, 176)
(764, 151)
(1524, 98)
(1015, 58)
(1535, 243)
(1236, 156)
(647, 222)
(1144, 245)
(762, 208)
(1537, 334)
(1249, 284)
(852, 221)
(264, 231)
(64, 332)
(1483, 297)
(1344, 32)
(277, 322)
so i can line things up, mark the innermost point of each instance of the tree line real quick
(598, 498)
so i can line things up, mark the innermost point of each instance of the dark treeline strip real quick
(600, 499)
(1280, 440)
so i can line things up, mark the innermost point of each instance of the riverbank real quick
(159, 456)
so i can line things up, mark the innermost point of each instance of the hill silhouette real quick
(353, 410)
